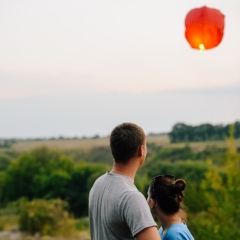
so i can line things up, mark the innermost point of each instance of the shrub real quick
(46, 218)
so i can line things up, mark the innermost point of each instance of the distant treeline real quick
(205, 132)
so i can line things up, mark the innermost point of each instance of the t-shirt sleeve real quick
(136, 212)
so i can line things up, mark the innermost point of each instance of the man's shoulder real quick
(101, 178)
(133, 197)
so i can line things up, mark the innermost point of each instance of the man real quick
(117, 210)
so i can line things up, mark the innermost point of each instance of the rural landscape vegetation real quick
(44, 183)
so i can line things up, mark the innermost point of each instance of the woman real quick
(165, 196)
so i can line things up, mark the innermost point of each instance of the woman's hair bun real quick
(180, 185)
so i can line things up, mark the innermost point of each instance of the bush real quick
(46, 218)
(82, 224)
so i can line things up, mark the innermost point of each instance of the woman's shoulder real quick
(178, 232)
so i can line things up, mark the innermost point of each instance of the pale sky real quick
(75, 67)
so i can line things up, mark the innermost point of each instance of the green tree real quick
(4, 161)
(80, 184)
(48, 174)
(222, 191)
(204, 132)
(181, 133)
(32, 174)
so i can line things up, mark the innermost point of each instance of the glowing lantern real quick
(204, 28)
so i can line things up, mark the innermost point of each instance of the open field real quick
(80, 144)
(65, 144)
(88, 144)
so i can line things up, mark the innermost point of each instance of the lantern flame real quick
(202, 47)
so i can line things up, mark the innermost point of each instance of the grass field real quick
(88, 144)
(81, 144)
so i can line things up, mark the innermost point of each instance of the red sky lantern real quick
(204, 28)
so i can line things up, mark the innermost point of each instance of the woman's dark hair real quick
(125, 140)
(168, 193)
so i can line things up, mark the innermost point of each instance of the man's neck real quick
(125, 169)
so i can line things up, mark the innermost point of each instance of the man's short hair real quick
(125, 140)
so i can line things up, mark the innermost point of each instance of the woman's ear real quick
(152, 203)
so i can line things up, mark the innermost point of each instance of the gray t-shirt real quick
(117, 210)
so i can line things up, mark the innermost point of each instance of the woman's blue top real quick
(178, 231)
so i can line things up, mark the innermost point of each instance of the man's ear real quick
(140, 150)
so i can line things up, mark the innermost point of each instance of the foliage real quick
(222, 217)
(189, 170)
(185, 133)
(216, 154)
(82, 223)
(97, 155)
(186, 153)
(5, 161)
(48, 174)
(82, 179)
(174, 154)
(46, 217)
(22, 178)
